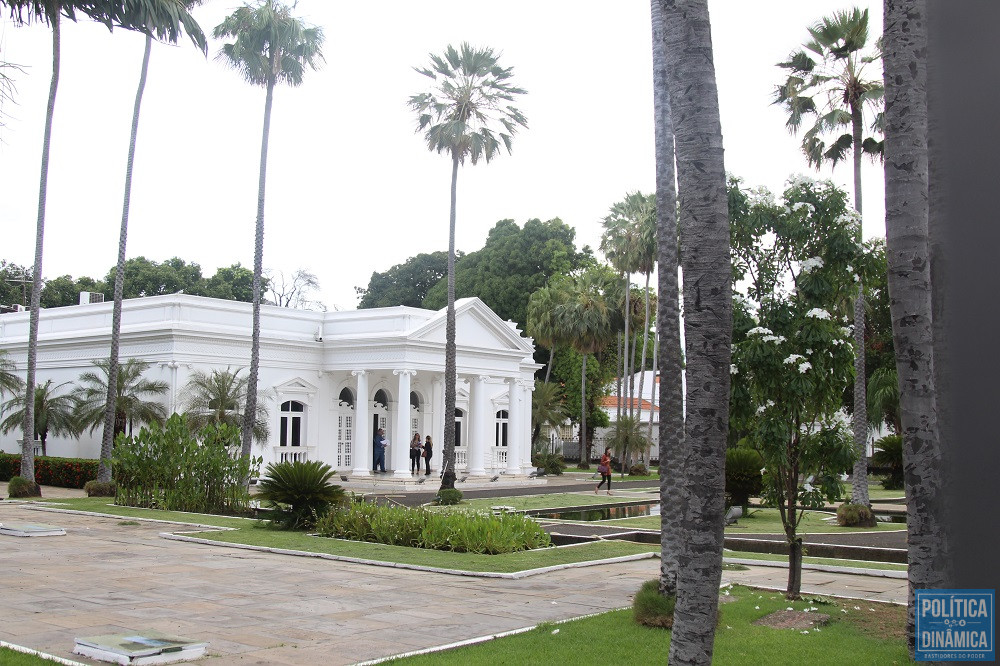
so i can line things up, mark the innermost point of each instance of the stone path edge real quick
(516, 575)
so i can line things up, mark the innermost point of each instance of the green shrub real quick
(51, 470)
(652, 609)
(889, 457)
(855, 515)
(448, 496)
(166, 467)
(21, 487)
(100, 489)
(552, 463)
(743, 477)
(300, 493)
(638, 470)
(463, 532)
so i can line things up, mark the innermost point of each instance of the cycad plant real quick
(300, 493)
(468, 113)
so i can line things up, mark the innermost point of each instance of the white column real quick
(362, 445)
(527, 387)
(480, 435)
(439, 419)
(399, 447)
(515, 434)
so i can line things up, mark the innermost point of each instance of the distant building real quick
(329, 379)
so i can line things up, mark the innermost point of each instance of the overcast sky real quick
(351, 188)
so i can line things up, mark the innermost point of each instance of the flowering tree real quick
(793, 265)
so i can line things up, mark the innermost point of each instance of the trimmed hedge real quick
(51, 471)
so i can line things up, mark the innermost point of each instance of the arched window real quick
(292, 423)
(501, 427)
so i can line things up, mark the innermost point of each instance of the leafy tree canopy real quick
(514, 262)
(407, 283)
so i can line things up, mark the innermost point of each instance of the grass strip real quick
(765, 521)
(830, 561)
(10, 657)
(550, 501)
(859, 636)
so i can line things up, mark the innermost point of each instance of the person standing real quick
(428, 452)
(605, 469)
(378, 448)
(415, 451)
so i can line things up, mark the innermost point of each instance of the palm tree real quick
(547, 408)
(220, 396)
(9, 382)
(694, 103)
(131, 403)
(111, 413)
(827, 80)
(472, 99)
(585, 319)
(541, 324)
(269, 46)
(163, 17)
(52, 413)
(907, 251)
(671, 423)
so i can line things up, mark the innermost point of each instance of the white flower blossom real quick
(763, 470)
(843, 477)
(773, 338)
(760, 330)
(810, 264)
(805, 365)
(808, 487)
(845, 331)
(809, 352)
(802, 205)
(818, 313)
(794, 358)
(733, 370)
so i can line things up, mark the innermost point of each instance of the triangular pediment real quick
(295, 385)
(476, 326)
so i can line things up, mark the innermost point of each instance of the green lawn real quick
(860, 564)
(855, 636)
(253, 532)
(876, 493)
(764, 521)
(10, 657)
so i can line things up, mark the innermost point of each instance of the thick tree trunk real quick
(28, 425)
(250, 411)
(671, 426)
(906, 199)
(450, 370)
(708, 315)
(794, 588)
(111, 427)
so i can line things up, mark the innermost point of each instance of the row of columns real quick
(481, 430)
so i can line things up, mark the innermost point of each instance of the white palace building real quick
(329, 378)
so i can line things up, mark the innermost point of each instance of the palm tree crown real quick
(53, 413)
(8, 380)
(472, 96)
(269, 44)
(132, 391)
(219, 396)
(828, 79)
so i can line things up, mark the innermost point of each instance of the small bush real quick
(461, 532)
(855, 515)
(652, 609)
(743, 477)
(299, 492)
(100, 489)
(51, 470)
(21, 487)
(889, 456)
(638, 470)
(552, 463)
(448, 496)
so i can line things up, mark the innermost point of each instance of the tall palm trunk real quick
(250, 413)
(653, 391)
(906, 199)
(548, 368)
(642, 364)
(450, 370)
(625, 356)
(859, 482)
(583, 409)
(671, 426)
(28, 426)
(112, 425)
(705, 258)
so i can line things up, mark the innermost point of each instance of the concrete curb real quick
(829, 568)
(41, 655)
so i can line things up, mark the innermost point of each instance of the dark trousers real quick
(428, 461)
(379, 460)
(415, 460)
(605, 477)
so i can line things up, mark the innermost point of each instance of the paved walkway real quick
(261, 608)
